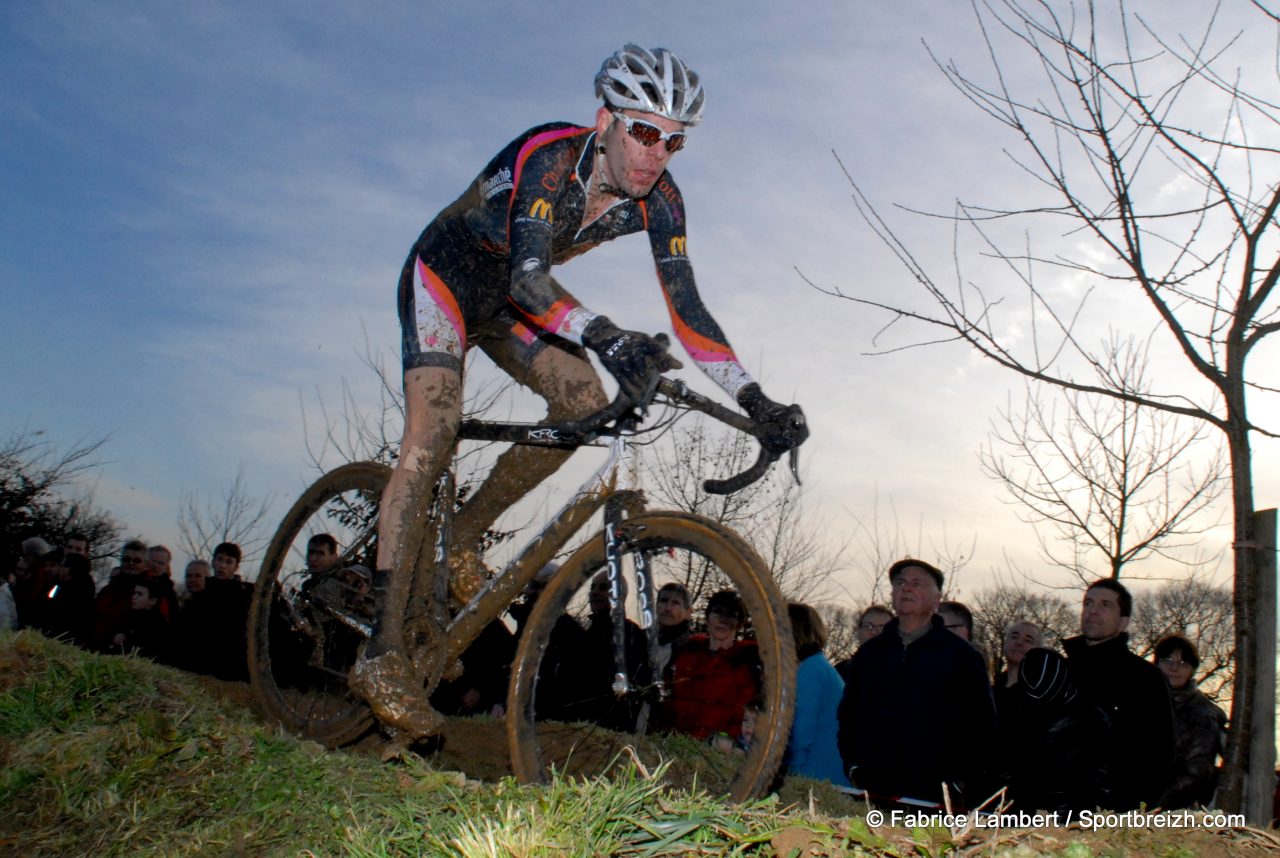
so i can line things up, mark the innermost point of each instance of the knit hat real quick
(1045, 678)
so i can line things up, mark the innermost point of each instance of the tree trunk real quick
(1245, 548)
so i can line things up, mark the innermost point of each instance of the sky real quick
(204, 208)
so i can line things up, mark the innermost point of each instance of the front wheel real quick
(562, 713)
(306, 624)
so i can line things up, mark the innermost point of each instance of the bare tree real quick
(769, 514)
(358, 434)
(842, 631)
(1158, 159)
(41, 495)
(880, 538)
(204, 521)
(1108, 479)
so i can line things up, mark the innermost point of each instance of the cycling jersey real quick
(487, 258)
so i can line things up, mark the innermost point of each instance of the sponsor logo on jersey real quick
(677, 250)
(497, 183)
(541, 210)
(550, 181)
(669, 193)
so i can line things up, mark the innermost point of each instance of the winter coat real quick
(1198, 726)
(915, 716)
(1135, 697)
(1059, 756)
(812, 749)
(710, 690)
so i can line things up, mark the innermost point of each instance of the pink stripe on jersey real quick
(706, 355)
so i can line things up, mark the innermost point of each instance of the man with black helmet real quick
(480, 274)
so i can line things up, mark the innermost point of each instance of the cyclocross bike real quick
(306, 627)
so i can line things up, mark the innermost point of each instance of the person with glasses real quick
(480, 275)
(958, 619)
(1199, 726)
(872, 622)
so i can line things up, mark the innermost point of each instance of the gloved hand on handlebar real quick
(634, 359)
(784, 425)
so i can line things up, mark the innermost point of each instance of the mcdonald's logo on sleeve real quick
(541, 210)
(678, 246)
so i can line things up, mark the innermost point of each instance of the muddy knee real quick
(574, 392)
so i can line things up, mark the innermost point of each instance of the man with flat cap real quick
(917, 710)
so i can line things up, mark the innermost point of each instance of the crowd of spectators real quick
(138, 609)
(1092, 725)
(911, 716)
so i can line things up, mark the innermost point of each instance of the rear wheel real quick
(562, 717)
(305, 629)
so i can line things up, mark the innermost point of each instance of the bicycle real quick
(306, 628)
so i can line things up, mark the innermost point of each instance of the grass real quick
(118, 756)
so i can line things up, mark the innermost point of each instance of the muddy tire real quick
(547, 740)
(300, 649)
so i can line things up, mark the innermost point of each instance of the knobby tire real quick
(539, 745)
(311, 701)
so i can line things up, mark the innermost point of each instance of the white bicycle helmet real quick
(654, 81)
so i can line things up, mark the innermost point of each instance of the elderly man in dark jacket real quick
(1132, 692)
(917, 709)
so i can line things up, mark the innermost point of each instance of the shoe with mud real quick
(384, 683)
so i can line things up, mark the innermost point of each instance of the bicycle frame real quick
(611, 487)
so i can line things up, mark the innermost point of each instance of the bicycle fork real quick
(622, 505)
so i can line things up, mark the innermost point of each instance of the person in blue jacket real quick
(812, 749)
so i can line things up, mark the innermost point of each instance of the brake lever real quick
(793, 462)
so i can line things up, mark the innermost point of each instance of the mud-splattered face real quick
(629, 165)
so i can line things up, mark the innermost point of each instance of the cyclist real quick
(480, 274)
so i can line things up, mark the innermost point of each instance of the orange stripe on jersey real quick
(700, 348)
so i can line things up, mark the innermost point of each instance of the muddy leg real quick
(383, 676)
(571, 388)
